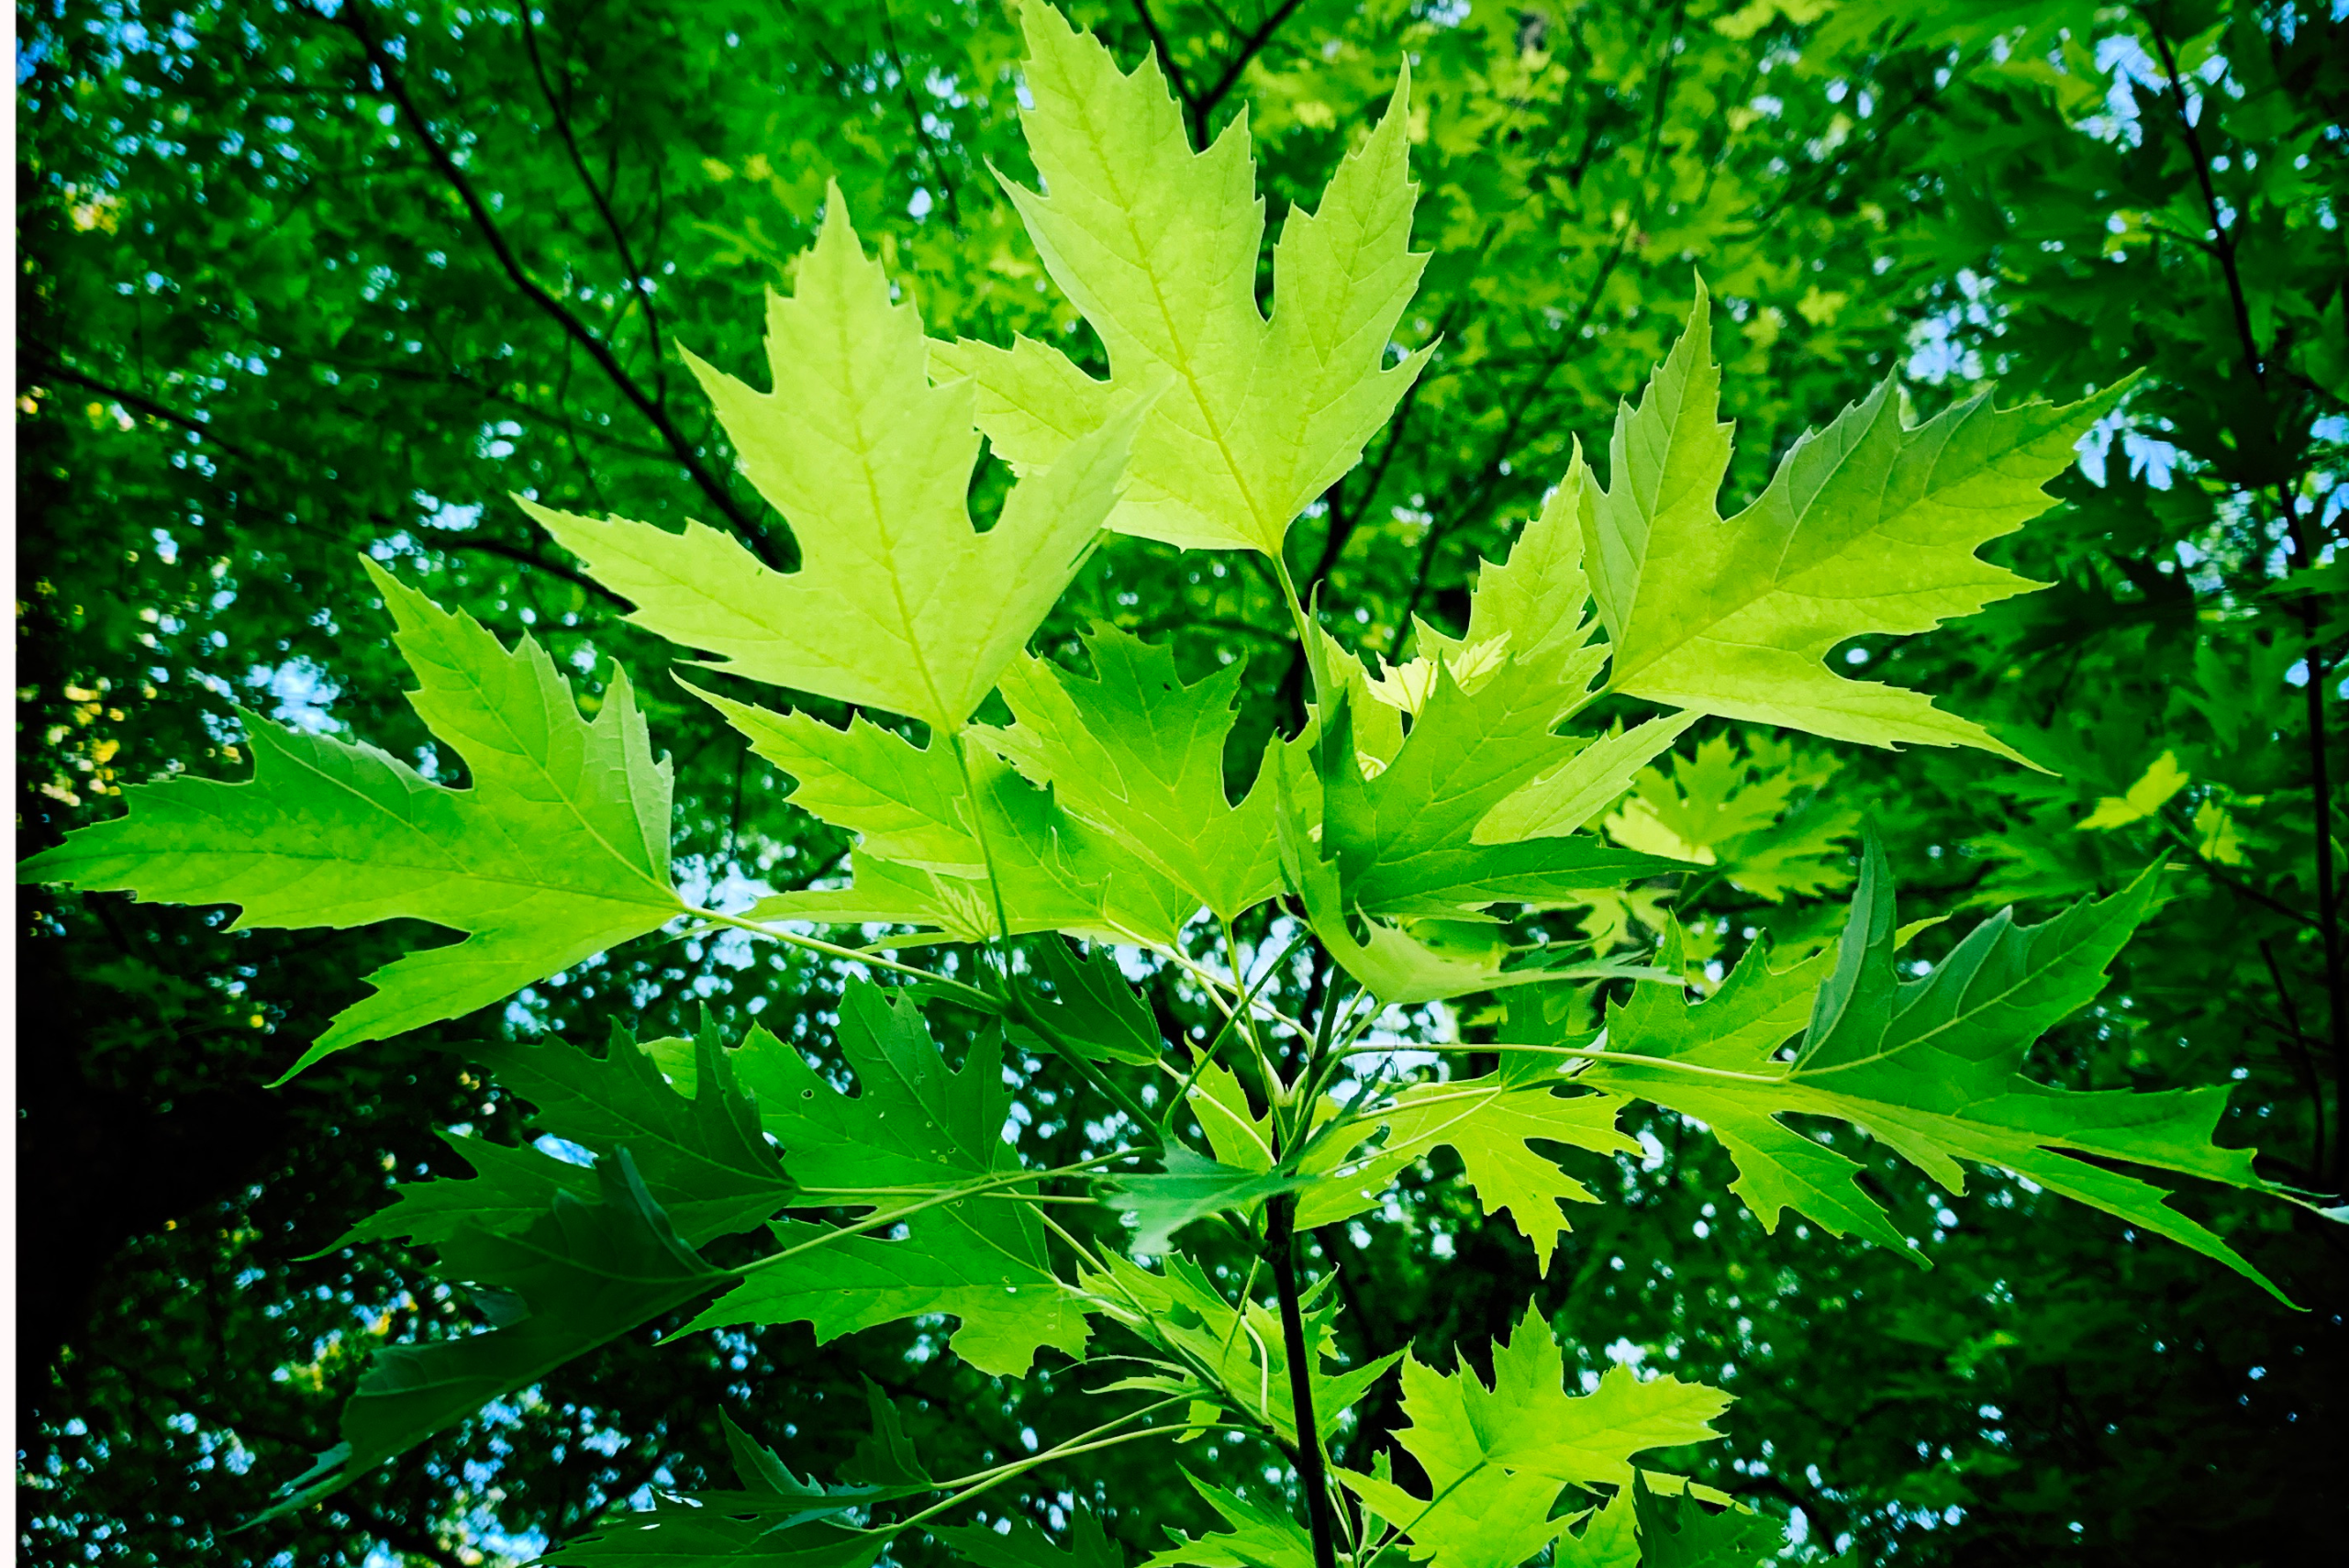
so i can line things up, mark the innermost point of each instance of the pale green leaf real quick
(557, 852)
(1869, 526)
(1138, 755)
(1051, 872)
(1492, 1123)
(899, 603)
(1498, 1456)
(906, 804)
(1158, 246)
(2152, 791)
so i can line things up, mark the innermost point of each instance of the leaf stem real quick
(1586, 1053)
(853, 955)
(946, 1194)
(1021, 1467)
(1070, 1445)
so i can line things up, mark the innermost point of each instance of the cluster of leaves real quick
(1403, 844)
(282, 348)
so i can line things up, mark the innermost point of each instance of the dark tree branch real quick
(51, 370)
(2310, 614)
(351, 18)
(1250, 47)
(1173, 72)
(921, 131)
(596, 195)
(1197, 108)
(47, 369)
(1312, 1475)
(521, 556)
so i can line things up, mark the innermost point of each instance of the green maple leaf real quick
(1393, 964)
(916, 1133)
(1610, 1538)
(1756, 814)
(1868, 526)
(1233, 1352)
(703, 1159)
(1260, 1537)
(1930, 1066)
(510, 1189)
(1529, 621)
(1138, 755)
(699, 1150)
(909, 805)
(1157, 247)
(1051, 872)
(1190, 1188)
(559, 850)
(1491, 1122)
(1498, 1456)
(581, 1273)
(1677, 1533)
(899, 603)
(1025, 1546)
(773, 1518)
(1403, 839)
(1090, 1008)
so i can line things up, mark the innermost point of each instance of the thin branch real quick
(2328, 914)
(596, 195)
(44, 367)
(1173, 72)
(51, 370)
(351, 18)
(921, 129)
(466, 543)
(2299, 1054)
(1250, 47)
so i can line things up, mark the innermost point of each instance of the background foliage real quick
(303, 282)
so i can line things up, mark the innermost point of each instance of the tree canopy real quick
(329, 307)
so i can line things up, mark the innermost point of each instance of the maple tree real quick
(1404, 843)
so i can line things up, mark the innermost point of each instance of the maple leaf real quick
(917, 1137)
(703, 1159)
(773, 1517)
(1190, 1188)
(1403, 839)
(899, 602)
(1259, 1537)
(1234, 1352)
(1090, 1008)
(1930, 1066)
(1868, 526)
(581, 1273)
(1157, 247)
(1609, 1536)
(1491, 1122)
(1044, 871)
(909, 805)
(1756, 814)
(701, 1156)
(559, 850)
(1139, 755)
(1673, 1532)
(1025, 1546)
(1497, 1456)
